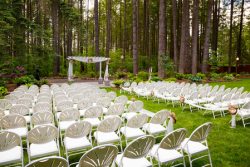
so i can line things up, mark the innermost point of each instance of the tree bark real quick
(240, 32)
(230, 37)
(56, 37)
(175, 47)
(108, 26)
(184, 48)
(135, 37)
(215, 26)
(124, 31)
(195, 33)
(162, 39)
(207, 38)
(96, 15)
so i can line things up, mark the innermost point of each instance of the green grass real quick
(229, 147)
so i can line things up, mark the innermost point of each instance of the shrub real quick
(155, 78)
(143, 75)
(27, 79)
(201, 75)
(118, 83)
(237, 75)
(195, 78)
(229, 77)
(214, 76)
(138, 80)
(3, 91)
(179, 76)
(187, 76)
(171, 79)
(41, 82)
(120, 75)
(3, 82)
(130, 76)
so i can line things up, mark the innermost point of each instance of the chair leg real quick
(190, 160)
(210, 159)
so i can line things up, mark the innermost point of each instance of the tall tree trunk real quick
(184, 48)
(174, 13)
(215, 26)
(135, 37)
(240, 32)
(108, 26)
(230, 37)
(96, 15)
(87, 29)
(195, 33)
(162, 39)
(207, 38)
(124, 31)
(56, 37)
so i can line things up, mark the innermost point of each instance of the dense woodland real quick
(184, 36)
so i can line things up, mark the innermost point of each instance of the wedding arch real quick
(90, 60)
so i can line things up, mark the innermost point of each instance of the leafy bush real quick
(120, 75)
(118, 82)
(179, 76)
(187, 76)
(195, 78)
(3, 91)
(143, 75)
(214, 76)
(229, 77)
(138, 80)
(41, 82)
(237, 75)
(3, 82)
(27, 79)
(155, 78)
(130, 76)
(171, 79)
(91, 74)
(201, 75)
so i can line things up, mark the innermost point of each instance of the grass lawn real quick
(229, 147)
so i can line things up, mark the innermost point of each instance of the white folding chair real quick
(100, 156)
(197, 143)
(15, 123)
(53, 161)
(11, 150)
(168, 150)
(43, 141)
(93, 115)
(135, 153)
(77, 137)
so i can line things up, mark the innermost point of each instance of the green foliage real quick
(171, 79)
(214, 76)
(169, 65)
(28, 79)
(187, 76)
(155, 78)
(143, 75)
(195, 78)
(3, 91)
(179, 76)
(118, 82)
(120, 75)
(228, 77)
(201, 75)
(138, 80)
(41, 82)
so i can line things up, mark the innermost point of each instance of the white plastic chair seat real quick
(44, 124)
(93, 121)
(11, 156)
(103, 138)
(82, 112)
(132, 132)
(165, 155)
(22, 132)
(105, 110)
(72, 144)
(39, 150)
(193, 147)
(128, 162)
(154, 128)
(63, 125)
(129, 115)
(244, 113)
(27, 118)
